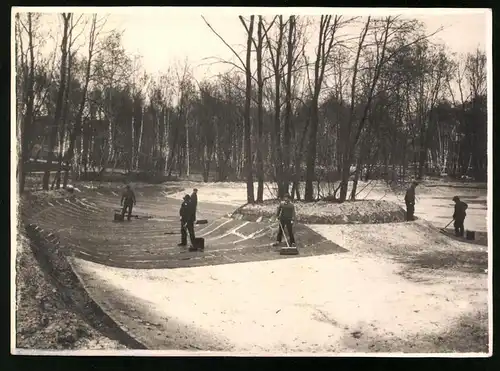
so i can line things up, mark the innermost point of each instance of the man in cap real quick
(194, 201)
(410, 201)
(286, 215)
(459, 216)
(187, 221)
(127, 201)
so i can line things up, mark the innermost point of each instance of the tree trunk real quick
(248, 129)
(187, 146)
(26, 123)
(166, 137)
(139, 143)
(288, 104)
(260, 114)
(311, 152)
(59, 102)
(359, 164)
(325, 43)
(62, 138)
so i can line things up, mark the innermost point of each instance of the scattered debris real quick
(356, 334)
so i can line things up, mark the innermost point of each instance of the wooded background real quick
(384, 102)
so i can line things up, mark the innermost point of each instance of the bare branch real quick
(224, 41)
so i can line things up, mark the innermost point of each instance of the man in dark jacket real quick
(286, 216)
(194, 201)
(410, 201)
(187, 221)
(127, 201)
(459, 216)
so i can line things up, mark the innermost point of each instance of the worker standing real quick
(194, 201)
(286, 216)
(410, 201)
(127, 201)
(187, 221)
(459, 216)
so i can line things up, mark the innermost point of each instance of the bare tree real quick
(64, 124)
(386, 35)
(96, 26)
(248, 129)
(246, 68)
(259, 48)
(326, 39)
(59, 103)
(276, 54)
(27, 93)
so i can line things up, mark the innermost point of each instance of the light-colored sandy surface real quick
(309, 304)
(330, 303)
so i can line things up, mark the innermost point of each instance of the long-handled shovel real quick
(443, 230)
(288, 250)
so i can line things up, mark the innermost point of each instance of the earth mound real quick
(323, 212)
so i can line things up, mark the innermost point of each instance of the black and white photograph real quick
(251, 181)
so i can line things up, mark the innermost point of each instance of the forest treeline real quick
(382, 100)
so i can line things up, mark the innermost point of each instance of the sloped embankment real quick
(53, 310)
(68, 314)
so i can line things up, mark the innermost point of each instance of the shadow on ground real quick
(468, 334)
(481, 238)
(463, 261)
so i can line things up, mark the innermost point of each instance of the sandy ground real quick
(332, 303)
(315, 304)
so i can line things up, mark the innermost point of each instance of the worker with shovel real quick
(127, 201)
(286, 215)
(459, 216)
(187, 221)
(410, 201)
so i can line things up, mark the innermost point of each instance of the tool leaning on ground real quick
(289, 250)
(443, 230)
(120, 218)
(197, 222)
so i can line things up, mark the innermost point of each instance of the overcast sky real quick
(164, 35)
(161, 38)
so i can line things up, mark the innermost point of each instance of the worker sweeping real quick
(459, 216)
(187, 221)
(286, 216)
(410, 201)
(127, 201)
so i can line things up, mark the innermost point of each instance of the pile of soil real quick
(323, 212)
